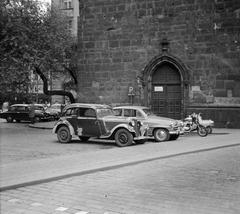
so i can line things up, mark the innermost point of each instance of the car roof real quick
(87, 105)
(57, 104)
(131, 107)
(25, 105)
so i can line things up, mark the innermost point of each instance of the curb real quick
(110, 167)
(39, 127)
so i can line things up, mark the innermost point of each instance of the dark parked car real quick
(20, 112)
(55, 110)
(98, 121)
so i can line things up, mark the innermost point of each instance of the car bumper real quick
(140, 138)
(176, 132)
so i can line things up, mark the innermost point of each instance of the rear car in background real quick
(98, 121)
(21, 112)
(55, 110)
(161, 128)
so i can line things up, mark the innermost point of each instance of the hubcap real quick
(123, 138)
(63, 135)
(161, 134)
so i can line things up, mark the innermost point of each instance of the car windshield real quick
(102, 112)
(148, 111)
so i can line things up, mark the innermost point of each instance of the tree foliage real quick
(36, 38)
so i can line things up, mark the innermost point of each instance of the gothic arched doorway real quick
(167, 86)
(166, 93)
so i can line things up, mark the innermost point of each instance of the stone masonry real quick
(118, 38)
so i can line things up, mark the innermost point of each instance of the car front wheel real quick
(36, 119)
(161, 135)
(64, 135)
(123, 138)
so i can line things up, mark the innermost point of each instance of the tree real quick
(34, 38)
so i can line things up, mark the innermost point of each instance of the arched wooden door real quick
(166, 94)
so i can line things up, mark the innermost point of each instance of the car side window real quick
(71, 112)
(139, 114)
(118, 112)
(129, 113)
(12, 108)
(89, 113)
(20, 108)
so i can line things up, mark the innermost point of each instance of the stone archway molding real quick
(176, 62)
(157, 60)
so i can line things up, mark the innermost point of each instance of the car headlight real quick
(132, 123)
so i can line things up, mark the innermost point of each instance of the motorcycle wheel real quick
(202, 131)
(209, 129)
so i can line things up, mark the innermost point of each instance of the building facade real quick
(175, 56)
(71, 9)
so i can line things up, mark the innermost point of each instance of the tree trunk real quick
(53, 92)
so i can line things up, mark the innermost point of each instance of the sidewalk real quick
(43, 125)
(43, 170)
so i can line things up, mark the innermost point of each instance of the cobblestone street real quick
(207, 182)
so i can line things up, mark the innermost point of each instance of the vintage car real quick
(98, 121)
(161, 128)
(20, 112)
(55, 110)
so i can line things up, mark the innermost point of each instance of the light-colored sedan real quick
(161, 128)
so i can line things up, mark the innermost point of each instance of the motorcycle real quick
(193, 123)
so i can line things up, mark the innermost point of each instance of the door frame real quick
(184, 77)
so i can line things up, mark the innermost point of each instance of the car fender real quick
(125, 126)
(66, 123)
(152, 127)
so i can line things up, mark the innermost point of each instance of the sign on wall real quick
(158, 88)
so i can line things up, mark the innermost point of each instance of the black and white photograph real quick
(120, 107)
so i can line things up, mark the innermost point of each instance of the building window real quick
(67, 4)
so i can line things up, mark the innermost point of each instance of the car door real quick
(87, 123)
(71, 115)
(11, 112)
(22, 113)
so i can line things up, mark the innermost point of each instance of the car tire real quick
(9, 119)
(64, 135)
(209, 129)
(36, 119)
(174, 137)
(123, 138)
(84, 139)
(161, 135)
